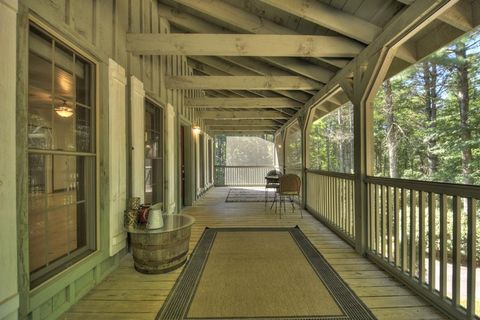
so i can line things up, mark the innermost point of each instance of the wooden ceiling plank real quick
(329, 17)
(241, 83)
(255, 45)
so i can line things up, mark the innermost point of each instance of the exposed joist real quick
(240, 83)
(253, 45)
(242, 103)
(329, 17)
(241, 21)
(228, 67)
(301, 67)
(242, 123)
(241, 115)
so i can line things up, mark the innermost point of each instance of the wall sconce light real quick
(196, 129)
(64, 110)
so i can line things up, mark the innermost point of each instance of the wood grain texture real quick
(241, 45)
(127, 294)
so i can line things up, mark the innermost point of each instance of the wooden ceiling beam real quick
(242, 132)
(242, 123)
(236, 19)
(240, 83)
(330, 18)
(242, 115)
(253, 128)
(242, 103)
(254, 45)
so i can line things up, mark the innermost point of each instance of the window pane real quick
(83, 129)
(153, 153)
(64, 127)
(58, 202)
(63, 80)
(40, 93)
(83, 78)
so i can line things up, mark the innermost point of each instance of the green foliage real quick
(331, 141)
(433, 147)
(293, 146)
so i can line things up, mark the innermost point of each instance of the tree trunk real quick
(391, 137)
(463, 99)
(431, 96)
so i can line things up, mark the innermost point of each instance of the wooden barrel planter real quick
(164, 249)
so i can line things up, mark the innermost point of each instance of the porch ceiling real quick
(271, 55)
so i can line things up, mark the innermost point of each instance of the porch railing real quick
(330, 197)
(428, 235)
(241, 175)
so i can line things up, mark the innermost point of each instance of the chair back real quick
(290, 183)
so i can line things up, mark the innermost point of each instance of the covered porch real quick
(127, 294)
(374, 105)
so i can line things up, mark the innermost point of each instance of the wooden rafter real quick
(241, 45)
(242, 103)
(329, 17)
(241, 115)
(241, 83)
(242, 123)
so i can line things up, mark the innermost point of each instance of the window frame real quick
(46, 274)
(149, 102)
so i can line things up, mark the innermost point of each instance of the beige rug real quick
(264, 273)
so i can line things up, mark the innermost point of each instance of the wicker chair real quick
(271, 182)
(289, 186)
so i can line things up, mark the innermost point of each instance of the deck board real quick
(127, 294)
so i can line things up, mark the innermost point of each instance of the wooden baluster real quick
(396, 210)
(404, 231)
(421, 237)
(471, 256)
(457, 219)
(383, 213)
(432, 256)
(389, 224)
(443, 245)
(413, 240)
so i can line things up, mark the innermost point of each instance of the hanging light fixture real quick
(196, 129)
(64, 110)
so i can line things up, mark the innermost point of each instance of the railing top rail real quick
(348, 176)
(429, 186)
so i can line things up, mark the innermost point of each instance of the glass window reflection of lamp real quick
(64, 110)
(196, 129)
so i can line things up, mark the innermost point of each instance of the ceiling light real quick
(64, 110)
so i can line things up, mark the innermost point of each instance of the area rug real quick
(260, 273)
(247, 195)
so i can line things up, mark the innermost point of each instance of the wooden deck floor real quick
(127, 294)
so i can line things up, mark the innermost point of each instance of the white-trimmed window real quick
(61, 156)
(153, 153)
